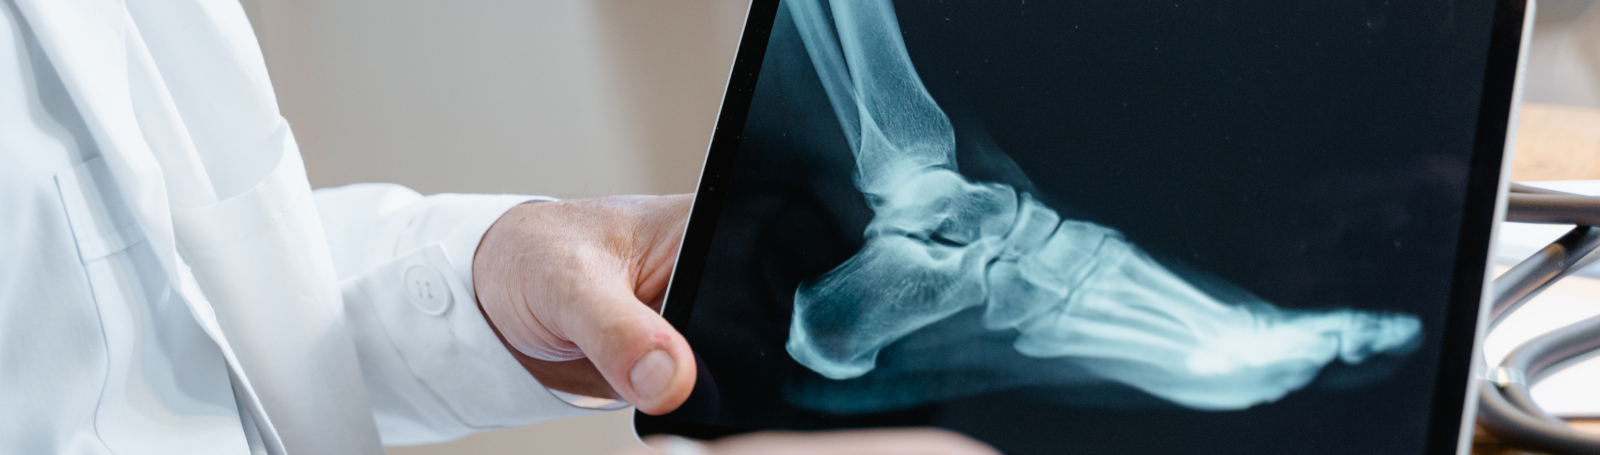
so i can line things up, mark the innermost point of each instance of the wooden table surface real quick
(1553, 143)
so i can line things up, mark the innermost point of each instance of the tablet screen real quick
(1103, 227)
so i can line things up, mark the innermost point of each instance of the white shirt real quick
(168, 282)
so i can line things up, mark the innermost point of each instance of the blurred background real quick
(1564, 56)
(559, 98)
(588, 98)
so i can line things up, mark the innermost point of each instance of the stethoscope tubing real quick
(1506, 408)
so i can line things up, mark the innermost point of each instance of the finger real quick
(643, 358)
(919, 441)
(572, 376)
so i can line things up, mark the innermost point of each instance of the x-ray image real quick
(1073, 223)
(939, 243)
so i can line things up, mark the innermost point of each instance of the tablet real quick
(1101, 226)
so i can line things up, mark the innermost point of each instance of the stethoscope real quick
(1505, 406)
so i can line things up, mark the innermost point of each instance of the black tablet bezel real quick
(1485, 194)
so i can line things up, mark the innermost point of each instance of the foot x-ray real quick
(939, 243)
(1052, 224)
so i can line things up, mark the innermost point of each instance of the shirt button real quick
(426, 289)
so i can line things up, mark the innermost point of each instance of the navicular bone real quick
(1071, 289)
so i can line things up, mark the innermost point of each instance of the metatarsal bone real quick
(1134, 321)
(1073, 289)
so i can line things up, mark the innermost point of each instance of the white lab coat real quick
(169, 283)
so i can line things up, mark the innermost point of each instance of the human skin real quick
(583, 281)
(574, 289)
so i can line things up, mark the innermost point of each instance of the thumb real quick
(644, 359)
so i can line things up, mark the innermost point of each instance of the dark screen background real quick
(1312, 153)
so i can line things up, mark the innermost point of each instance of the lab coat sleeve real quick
(433, 368)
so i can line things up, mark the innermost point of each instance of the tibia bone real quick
(1071, 289)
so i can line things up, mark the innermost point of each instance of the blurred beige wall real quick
(553, 97)
(1564, 55)
(564, 98)
(572, 99)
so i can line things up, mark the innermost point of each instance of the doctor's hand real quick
(918, 441)
(574, 288)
